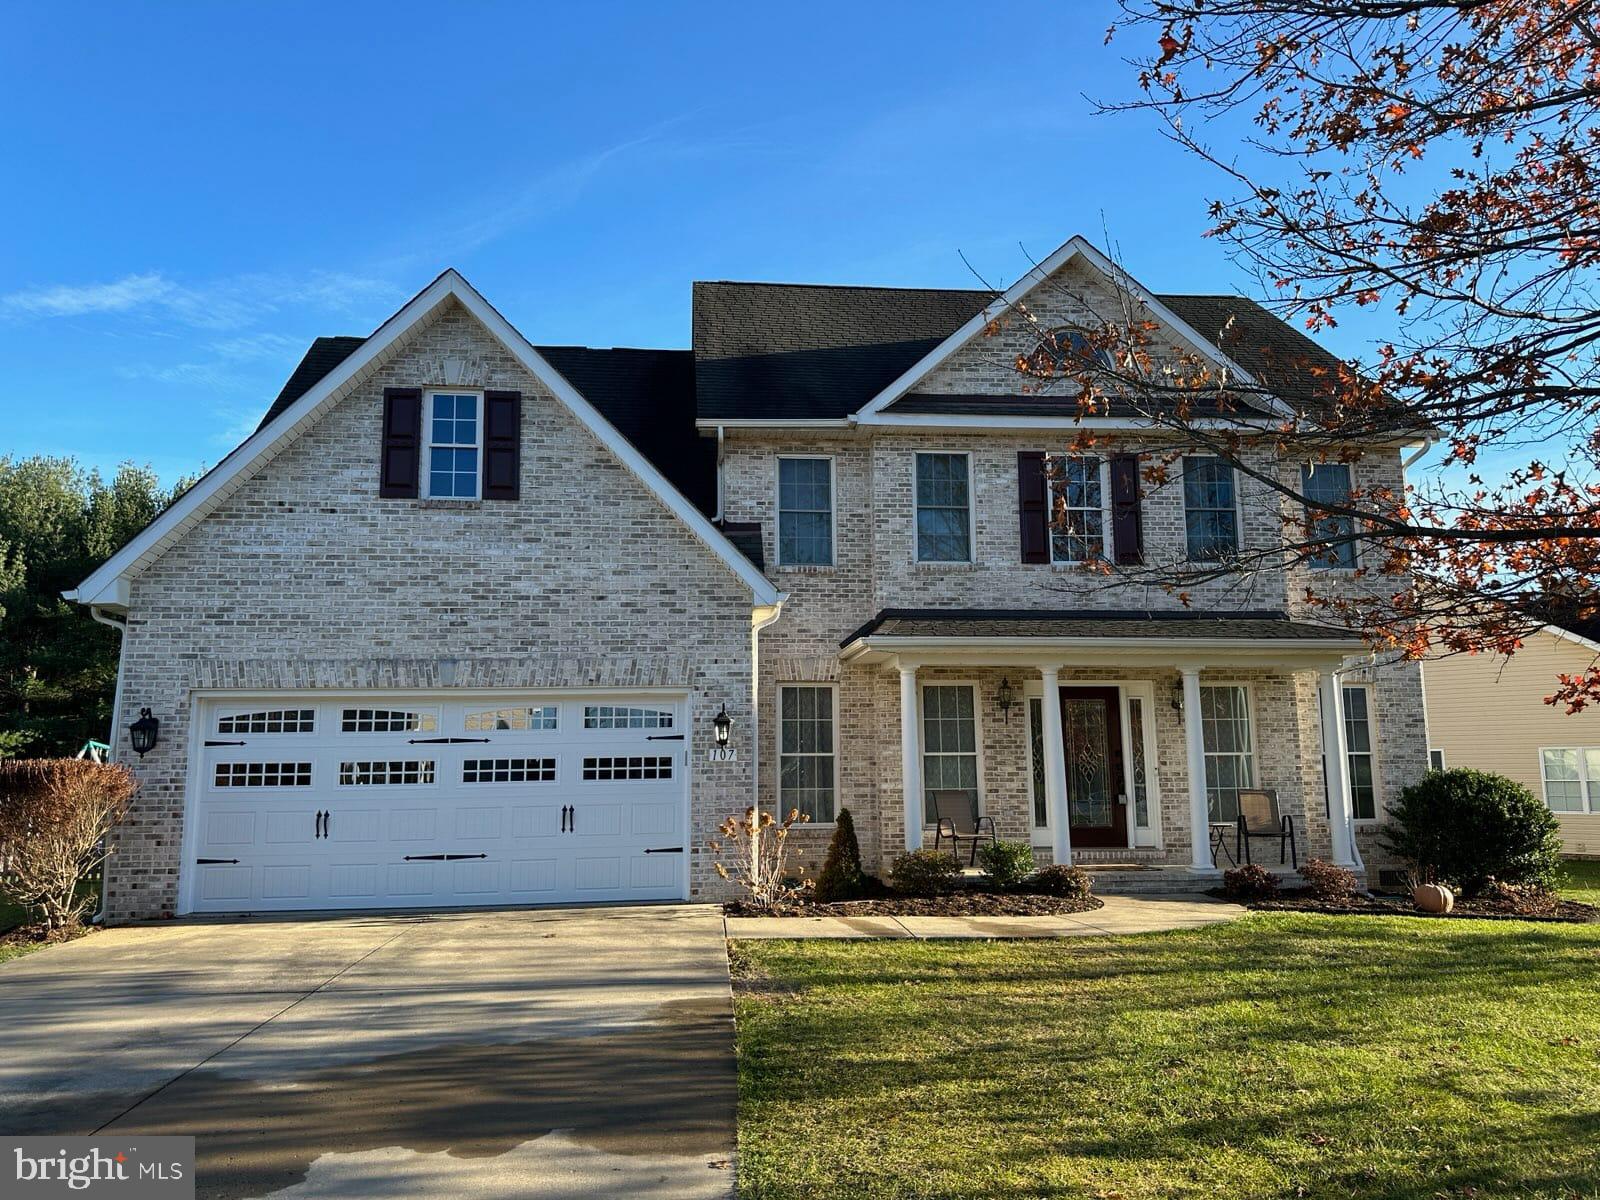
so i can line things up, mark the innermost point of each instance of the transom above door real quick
(305, 801)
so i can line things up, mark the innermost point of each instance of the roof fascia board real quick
(107, 586)
(1074, 247)
(260, 447)
(1054, 648)
(774, 423)
(1566, 635)
(606, 433)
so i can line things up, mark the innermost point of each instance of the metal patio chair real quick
(1259, 819)
(955, 817)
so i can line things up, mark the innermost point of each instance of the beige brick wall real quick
(304, 578)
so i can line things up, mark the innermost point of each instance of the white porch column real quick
(1340, 808)
(911, 757)
(1055, 768)
(1195, 745)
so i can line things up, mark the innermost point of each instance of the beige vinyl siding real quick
(1490, 713)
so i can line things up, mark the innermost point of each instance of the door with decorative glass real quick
(1091, 736)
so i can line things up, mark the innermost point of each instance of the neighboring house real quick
(454, 625)
(1489, 713)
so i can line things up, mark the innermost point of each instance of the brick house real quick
(457, 623)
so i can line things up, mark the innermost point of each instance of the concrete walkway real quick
(1121, 914)
(520, 1055)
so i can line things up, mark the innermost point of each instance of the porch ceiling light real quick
(722, 723)
(144, 733)
(1005, 699)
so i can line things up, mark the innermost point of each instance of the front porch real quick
(1114, 743)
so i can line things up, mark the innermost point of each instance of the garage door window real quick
(610, 716)
(388, 720)
(603, 769)
(366, 774)
(264, 774)
(542, 717)
(276, 720)
(508, 770)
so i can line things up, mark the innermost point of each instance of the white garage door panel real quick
(317, 802)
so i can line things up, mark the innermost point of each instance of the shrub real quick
(924, 873)
(841, 877)
(1008, 863)
(55, 814)
(1328, 882)
(1249, 882)
(758, 847)
(1070, 882)
(1465, 827)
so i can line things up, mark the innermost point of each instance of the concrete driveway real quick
(553, 1053)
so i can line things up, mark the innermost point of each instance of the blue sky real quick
(195, 191)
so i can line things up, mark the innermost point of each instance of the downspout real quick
(121, 626)
(1405, 463)
(718, 518)
(760, 617)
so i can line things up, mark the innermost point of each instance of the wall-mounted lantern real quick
(144, 733)
(1177, 697)
(722, 723)
(1005, 699)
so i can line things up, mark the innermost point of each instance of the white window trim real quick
(977, 740)
(1238, 506)
(1378, 808)
(1251, 721)
(1590, 808)
(833, 511)
(425, 489)
(777, 757)
(1355, 547)
(1105, 509)
(972, 511)
(1443, 765)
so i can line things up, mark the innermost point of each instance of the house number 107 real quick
(722, 754)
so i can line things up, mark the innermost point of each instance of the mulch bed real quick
(965, 903)
(1483, 909)
(31, 935)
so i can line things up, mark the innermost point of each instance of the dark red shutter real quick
(401, 460)
(1127, 533)
(502, 445)
(1033, 506)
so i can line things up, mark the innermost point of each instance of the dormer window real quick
(455, 433)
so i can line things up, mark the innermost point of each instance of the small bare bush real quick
(55, 814)
(1327, 882)
(753, 850)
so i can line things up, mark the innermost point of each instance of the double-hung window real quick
(1571, 779)
(1077, 509)
(1210, 512)
(944, 508)
(1229, 747)
(805, 512)
(1358, 752)
(949, 743)
(455, 438)
(806, 766)
(1329, 483)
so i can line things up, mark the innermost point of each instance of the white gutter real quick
(718, 517)
(1427, 444)
(893, 644)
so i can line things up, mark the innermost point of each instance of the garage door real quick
(306, 802)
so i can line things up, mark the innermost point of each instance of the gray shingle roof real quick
(1246, 625)
(811, 351)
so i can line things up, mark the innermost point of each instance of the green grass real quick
(1582, 880)
(1280, 1055)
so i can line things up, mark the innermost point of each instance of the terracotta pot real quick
(1433, 898)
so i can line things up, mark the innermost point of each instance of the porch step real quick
(1121, 880)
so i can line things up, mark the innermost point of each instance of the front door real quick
(1091, 734)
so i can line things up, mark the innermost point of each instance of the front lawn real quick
(1582, 880)
(1281, 1055)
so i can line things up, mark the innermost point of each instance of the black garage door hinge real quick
(666, 850)
(441, 857)
(665, 737)
(206, 862)
(444, 741)
(215, 743)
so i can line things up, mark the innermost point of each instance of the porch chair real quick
(1259, 818)
(955, 817)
